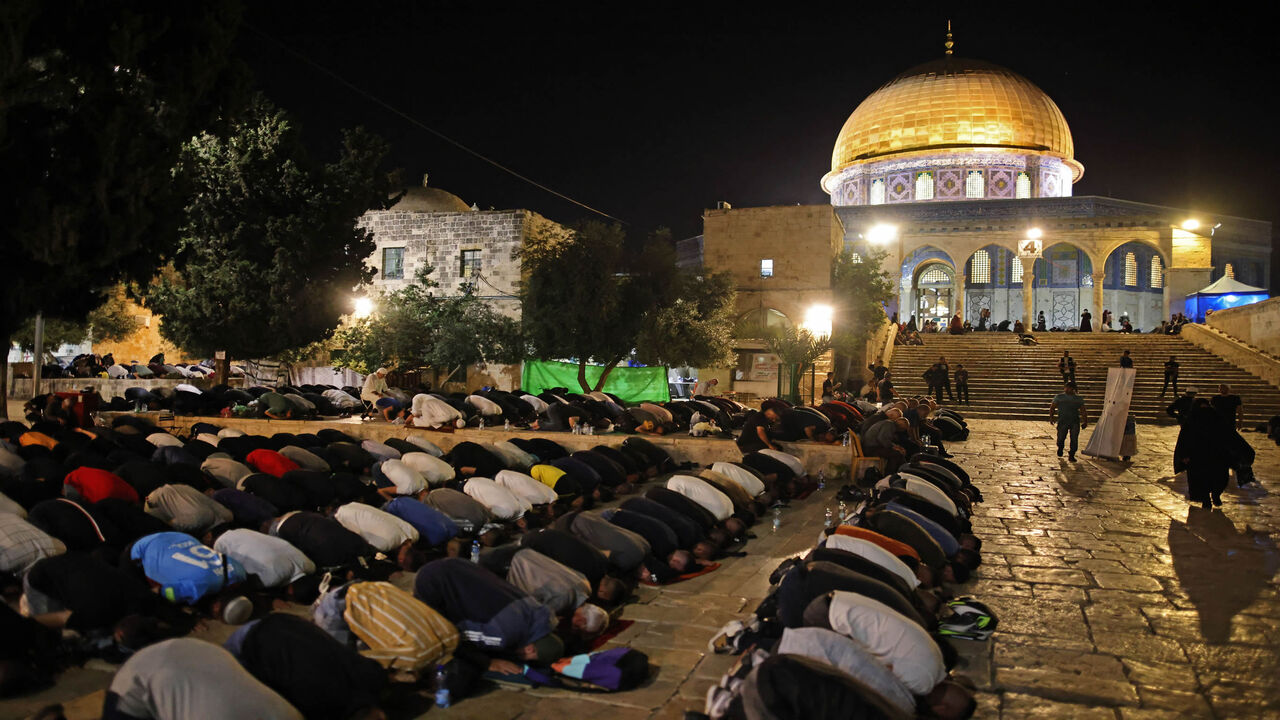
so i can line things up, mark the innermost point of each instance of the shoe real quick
(1217, 500)
(1071, 457)
(1059, 452)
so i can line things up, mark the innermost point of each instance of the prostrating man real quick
(324, 540)
(804, 424)
(188, 678)
(491, 612)
(275, 562)
(186, 572)
(187, 509)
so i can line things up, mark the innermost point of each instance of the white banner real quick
(1108, 431)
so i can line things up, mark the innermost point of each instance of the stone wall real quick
(107, 388)
(1237, 353)
(1257, 324)
(682, 448)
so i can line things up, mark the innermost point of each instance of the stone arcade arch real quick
(1062, 286)
(1128, 289)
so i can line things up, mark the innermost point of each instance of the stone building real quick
(464, 246)
(961, 172)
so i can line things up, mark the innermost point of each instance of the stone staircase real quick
(1010, 381)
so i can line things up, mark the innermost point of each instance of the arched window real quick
(1157, 273)
(877, 192)
(1015, 271)
(1230, 271)
(980, 267)
(973, 185)
(857, 259)
(924, 186)
(936, 274)
(1130, 270)
(1023, 187)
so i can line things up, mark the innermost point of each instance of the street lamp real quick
(1034, 233)
(1191, 224)
(363, 308)
(882, 234)
(817, 320)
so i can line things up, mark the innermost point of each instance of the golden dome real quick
(954, 104)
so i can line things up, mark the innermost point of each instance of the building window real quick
(1130, 270)
(924, 186)
(980, 267)
(1086, 280)
(1015, 270)
(469, 265)
(973, 184)
(393, 263)
(1157, 272)
(857, 259)
(877, 192)
(935, 275)
(1023, 187)
(1229, 271)
(766, 267)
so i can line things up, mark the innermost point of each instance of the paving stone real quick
(1017, 706)
(1127, 581)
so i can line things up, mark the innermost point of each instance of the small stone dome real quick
(429, 199)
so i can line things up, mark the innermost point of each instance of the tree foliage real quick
(797, 350)
(413, 328)
(270, 253)
(110, 321)
(598, 297)
(859, 290)
(98, 97)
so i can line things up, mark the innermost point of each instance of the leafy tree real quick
(270, 252)
(112, 320)
(98, 97)
(859, 291)
(596, 297)
(414, 328)
(797, 350)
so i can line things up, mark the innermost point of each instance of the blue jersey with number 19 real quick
(185, 569)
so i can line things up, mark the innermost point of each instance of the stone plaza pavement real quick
(1115, 601)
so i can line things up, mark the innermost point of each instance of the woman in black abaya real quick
(1201, 452)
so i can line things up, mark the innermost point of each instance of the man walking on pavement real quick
(1068, 412)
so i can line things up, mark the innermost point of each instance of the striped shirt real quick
(23, 544)
(402, 632)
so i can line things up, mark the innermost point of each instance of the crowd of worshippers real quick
(861, 625)
(894, 430)
(91, 365)
(488, 558)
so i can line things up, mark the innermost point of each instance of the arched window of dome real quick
(1023, 186)
(980, 267)
(1157, 273)
(924, 186)
(974, 186)
(1015, 270)
(1130, 270)
(1229, 271)
(877, 192)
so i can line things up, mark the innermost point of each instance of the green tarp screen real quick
(632, 384)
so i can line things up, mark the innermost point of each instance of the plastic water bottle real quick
(777, 518)
(822, 479)
(507, 426)
(442, 688)
(843, 509)
(482, 422)
(576, 429)
(828, 522)
(845, 441)
(475, 551)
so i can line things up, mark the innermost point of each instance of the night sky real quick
(653, 112)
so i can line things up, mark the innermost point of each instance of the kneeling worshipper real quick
(275, 562)
(387, 533)
(187, 678)
(185, 572)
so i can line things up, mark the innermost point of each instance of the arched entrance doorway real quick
(933, 292)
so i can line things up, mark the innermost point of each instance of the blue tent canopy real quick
(1224, 293)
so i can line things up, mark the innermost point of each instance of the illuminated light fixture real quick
(882, 234)
(363, 308)
(1191, 224)
(817, 320)
(1035, 233)
(1230, 298)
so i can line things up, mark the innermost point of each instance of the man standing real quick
(1067, 367)
(1125, 360)
(1181, 408)
(375, 388)
(962, 384)
(1067, 410)
(1086, 321)
(829, 387)
(1170, 375)
(884, 390)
